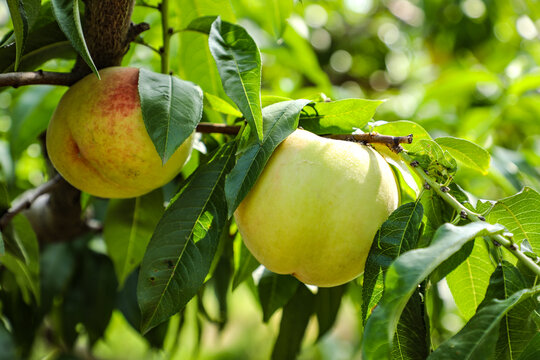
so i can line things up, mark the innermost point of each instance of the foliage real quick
(451, 273)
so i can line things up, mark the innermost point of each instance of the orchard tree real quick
(156, 163)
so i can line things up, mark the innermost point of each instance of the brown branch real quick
(27, 199)
(17, 79)
(209, 128)
(393, 142)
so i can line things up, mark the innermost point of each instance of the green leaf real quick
(57, 264)
(404, 276)
(280, 120)
(191, 11)
(127, 304)
(128, 227)
(397, 235)
(532, 351)
(2, 247)
(99, 286)
(45, 41)
(23, 318)
(275, 291)
(7, 344)
(201, 24)
(182, 248)
(327, 304)
(244, 262)
(295, 52)
(519, 213)
(280, 12)
(268, 100)
(30, 116)
(68, 17)
(22, 255)
(403, 128)
(477, 339)
(218, 104)
(466, 152)
(171, 110)
(90, 297)
(524, 84)
(26, 278)
(5, 203)
(437, 155)
(469, 280)
(195, 62)
(517, 327)
(20, 27)
(294, 321)
(437, 212)
(410, 339)
(339, 117)
(239, 63)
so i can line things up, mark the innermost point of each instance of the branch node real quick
(135, 30)
(445, 189)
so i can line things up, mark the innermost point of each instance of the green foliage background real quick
(466, 69)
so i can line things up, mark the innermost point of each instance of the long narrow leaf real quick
(294, 321)
(129, 224)
(469, 281)
(517, 327)
(404, 276)
(275, 291)
(343, 116)
(239, 63)
(477, 339)
(69, 19)
(397, 235)
(182, 248)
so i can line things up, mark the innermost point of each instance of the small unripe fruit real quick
(316, 208)
(98, 142)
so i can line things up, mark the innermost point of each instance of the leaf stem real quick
(164, 51)
(472, 216)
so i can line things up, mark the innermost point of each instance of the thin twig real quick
(141, 41)
(39, 77)
(393, 142)
(452, 201)
(27, 199)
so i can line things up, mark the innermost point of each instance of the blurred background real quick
(465, 68)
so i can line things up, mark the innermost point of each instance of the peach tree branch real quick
(442, 191)
(27, 199)
(16, 79)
